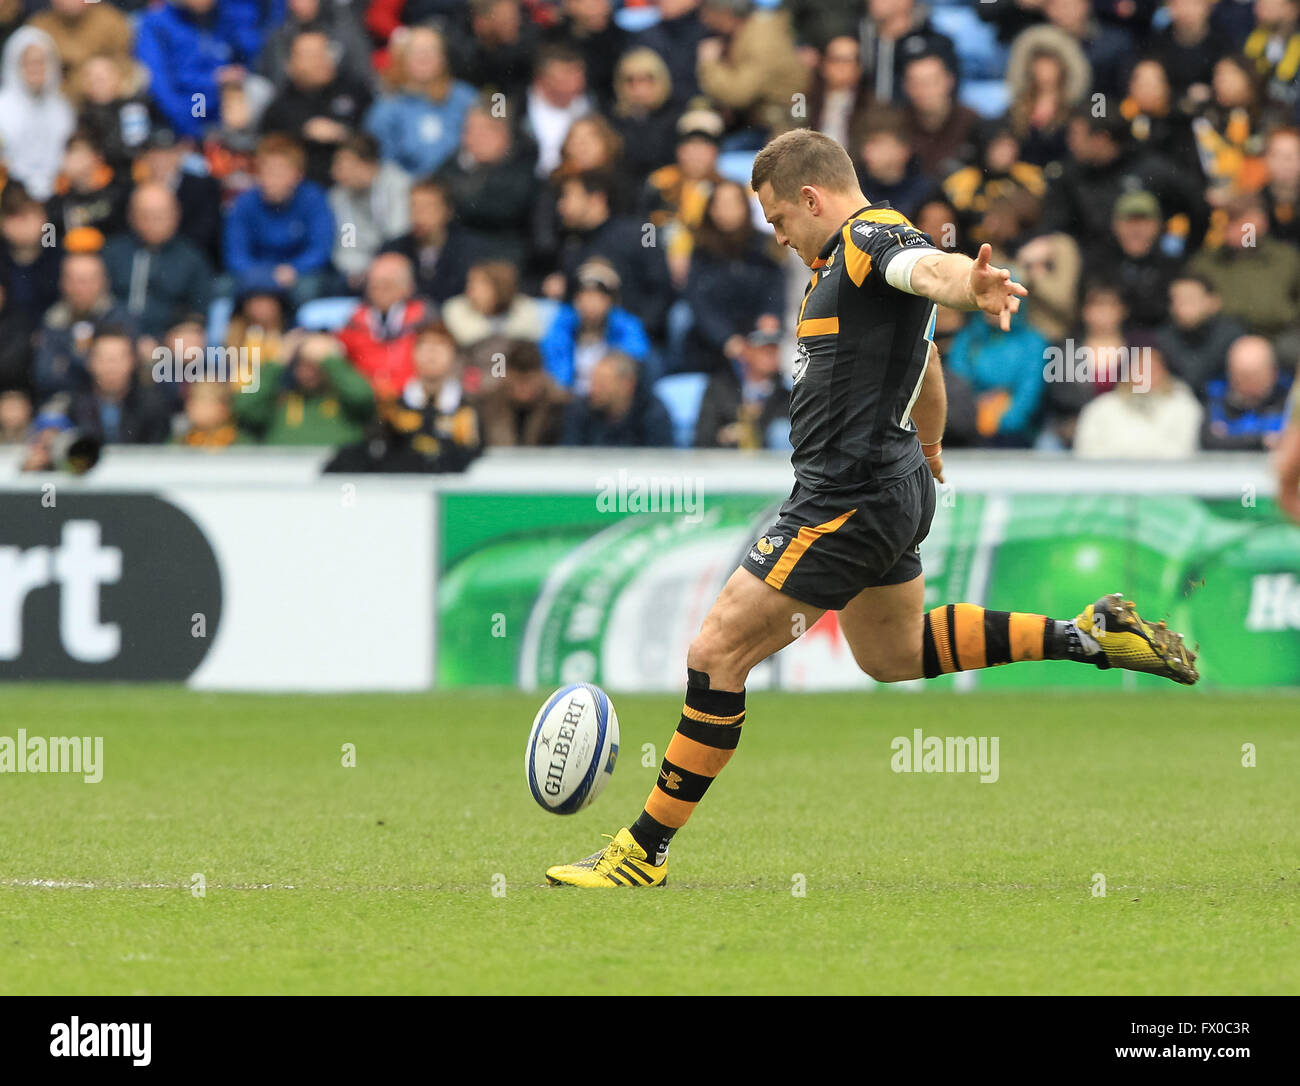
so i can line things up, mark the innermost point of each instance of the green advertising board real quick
(540, 589)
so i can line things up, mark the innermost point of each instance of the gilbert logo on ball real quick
(572, 748)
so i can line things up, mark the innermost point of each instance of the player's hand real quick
(993, 289)
(934, 458)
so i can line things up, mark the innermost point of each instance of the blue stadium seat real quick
(219, 314)
(681, 394)
(737, 165)
(326, 314)
(987, 97)
(976, 41)
(634, 20)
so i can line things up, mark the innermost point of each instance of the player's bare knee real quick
(712, 654)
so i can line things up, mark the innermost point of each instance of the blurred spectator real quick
(676, 38)
(247, 23)
(1230, 128)
(35, 119)
(200, 198)
(750, 67)
(1008, 223)
(1048, 76)
(733, 281)
(887, 169)
(1050, 266)
(337, 20)
(1196, 339)
(371, 202)
(1288, 459)
(555, 99)
(492, 187)
(380, 335)
(1150, 416)
(284, 226)
(63, 343)
(1258, 277)
(584, 332)
(1282, 193)
(1103, 165)
(618, 409)
(592, 146)
(590, 230)
(15, 415)
(156, 272)
(588, 28)
(120, 405)
(1188, 48)
(1131, 258)
(319, 106)
(676, 195)
(1005, 370)
(261, 319)
(838, 94)
(188, 56)
(998, 171)
(492, 306)
(437, 247)
(941, 131)
(1109, 49)
(114, 108)
(938, 218)
(185, 338)
(418, 120)
(88, 197)
(29, 261)
(1248, 408)
(495, 52)
(1089, 349)
(317, 398)
(1157, 123)
(747, 405)
(644, 113)
(523, 405)
(1274, 47)
(81, 30)
(209, 418)
(229, 148)
(892, 31)
(437, 392)
(15, 345)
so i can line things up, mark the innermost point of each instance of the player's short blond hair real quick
(803, 157)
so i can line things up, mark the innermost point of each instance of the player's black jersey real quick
(862, 352)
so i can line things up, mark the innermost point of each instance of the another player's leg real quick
(893, 638)
(748, 622)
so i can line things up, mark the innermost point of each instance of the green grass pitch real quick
(380, 878)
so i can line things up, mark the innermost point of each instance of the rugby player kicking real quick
(867, 414)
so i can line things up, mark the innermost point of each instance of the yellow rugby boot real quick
(1130, 643)
(620, 863)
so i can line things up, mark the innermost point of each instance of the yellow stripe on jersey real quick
(818, 326)
(795, 549)
(856, 262)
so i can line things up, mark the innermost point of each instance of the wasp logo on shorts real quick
(768, 544)
(672, 781)
(800, 362)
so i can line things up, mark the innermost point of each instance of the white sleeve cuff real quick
(899, 272)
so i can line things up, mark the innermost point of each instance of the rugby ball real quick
(572, 748)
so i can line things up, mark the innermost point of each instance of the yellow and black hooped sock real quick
(965, 636)
(704, 742)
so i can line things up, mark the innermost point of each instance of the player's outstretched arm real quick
(956, 281)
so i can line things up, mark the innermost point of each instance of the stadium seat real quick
(219, 314)
(976, 41)
(634, 20)
(736, 165)
(326, 314)
(681, 394)
(987, 97)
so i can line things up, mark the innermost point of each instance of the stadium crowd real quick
(438, 225)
